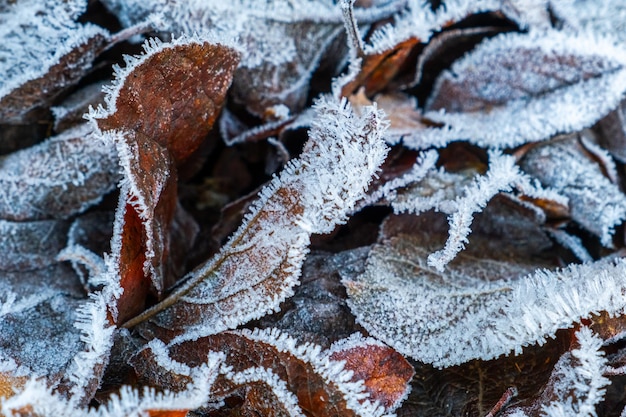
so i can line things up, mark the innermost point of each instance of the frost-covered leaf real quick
(606, 16)
(43, 51)
(172, 94)
(58, 178)
(31, 245)
(297, 379)
(261, 262)
(565, 165)
(283, 42)
(577, 383)
(182, 86)
(445, 48)
(37, 315)
(384, 371)
(537, 79)
(483, 306)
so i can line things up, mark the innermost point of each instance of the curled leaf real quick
(260, 264)
(181, 86)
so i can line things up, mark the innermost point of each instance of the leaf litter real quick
(493, 131)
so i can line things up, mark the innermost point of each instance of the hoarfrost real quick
(261, 262)
(483, 311)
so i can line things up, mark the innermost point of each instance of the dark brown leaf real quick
(44, 57)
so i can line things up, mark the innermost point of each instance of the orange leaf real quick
(385, 372)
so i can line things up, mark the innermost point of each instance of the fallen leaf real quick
(41, 59)
(31, 245)
(61, 177)
(515, 299)
(384, 371)
(155, 134)
(595, 202)
(485, 88)
(279, 370)
(258, 267)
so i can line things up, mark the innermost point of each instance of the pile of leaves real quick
(312, 207)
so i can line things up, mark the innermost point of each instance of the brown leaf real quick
(380, 68)
(385, 372)
(471, 389)
(181, 87)
(493, 79)
(157, 413)
(401, 110)
(269, 365)
(172, 95)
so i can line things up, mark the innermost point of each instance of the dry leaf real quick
(42, 58)
(487, 303)
(296, 379)
(58, 178)
(154, 135)
(485, 88)
(595, 202)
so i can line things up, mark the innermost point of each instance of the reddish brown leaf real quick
(379, 69)
(610, 329)
(157, 413)
(271, 366)
(164, 103)
(173, 94)
(385, 372)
